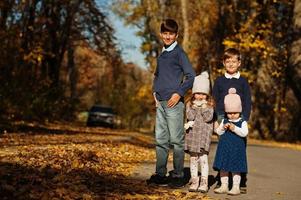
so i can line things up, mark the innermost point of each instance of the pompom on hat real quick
(201, 83)
(232, 102)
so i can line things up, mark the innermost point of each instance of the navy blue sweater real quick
(220, 90)
(172, 67)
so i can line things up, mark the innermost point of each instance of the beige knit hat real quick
(232, 102)
(201, 83)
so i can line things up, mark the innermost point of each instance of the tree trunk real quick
(294, 69)
(185, 24)
(73, 73)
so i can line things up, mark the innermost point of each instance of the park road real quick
(274, 174)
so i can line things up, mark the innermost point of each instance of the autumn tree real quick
(263, 37)
(35, 36)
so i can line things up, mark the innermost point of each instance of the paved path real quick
(274, 174)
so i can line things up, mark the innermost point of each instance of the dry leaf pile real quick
(66, 162)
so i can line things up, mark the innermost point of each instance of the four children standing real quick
(174, 75)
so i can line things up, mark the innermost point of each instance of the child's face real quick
(233, 116)
(168, 37)
(200, 96)
(232, 64)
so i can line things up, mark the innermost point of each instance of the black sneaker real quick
(157, 180)
(243, 190)
(177, 182)
(243, 183)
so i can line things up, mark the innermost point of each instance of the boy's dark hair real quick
(230, 53)
(169, 25)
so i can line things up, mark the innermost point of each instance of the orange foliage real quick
(78, 163)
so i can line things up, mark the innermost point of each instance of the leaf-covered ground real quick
(68, 162)
(71, 162)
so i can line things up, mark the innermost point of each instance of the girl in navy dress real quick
(231, 150)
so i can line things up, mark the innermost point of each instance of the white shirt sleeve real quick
(243, 131)
(220, 130)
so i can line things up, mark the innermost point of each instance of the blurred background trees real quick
(266, 32)
(37, 38)
(60, 57)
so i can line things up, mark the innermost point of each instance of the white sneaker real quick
(223, 189)
(234, 191)
(204, 185)
(194, 184)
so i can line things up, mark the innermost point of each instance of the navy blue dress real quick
(231, 153)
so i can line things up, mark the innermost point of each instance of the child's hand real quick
(174, 99)
(199, 103)
(188, 125)
(204, 105)
(229, 126)
(226, 126)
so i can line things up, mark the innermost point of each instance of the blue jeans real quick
(169, 131)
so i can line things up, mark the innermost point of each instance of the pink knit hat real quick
(201, 83)
(232, 102)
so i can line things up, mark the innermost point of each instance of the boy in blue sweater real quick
(174, 75)
(232, 79)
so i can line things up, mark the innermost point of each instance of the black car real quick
(101, 116)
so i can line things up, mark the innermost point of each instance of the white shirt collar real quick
(234, 120)
(229, 76)
(170, 48)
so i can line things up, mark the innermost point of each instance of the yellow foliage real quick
(283, 109)
(229, 43)
(146, 47)
(144, 92)
(276, 74)
(35, 56)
